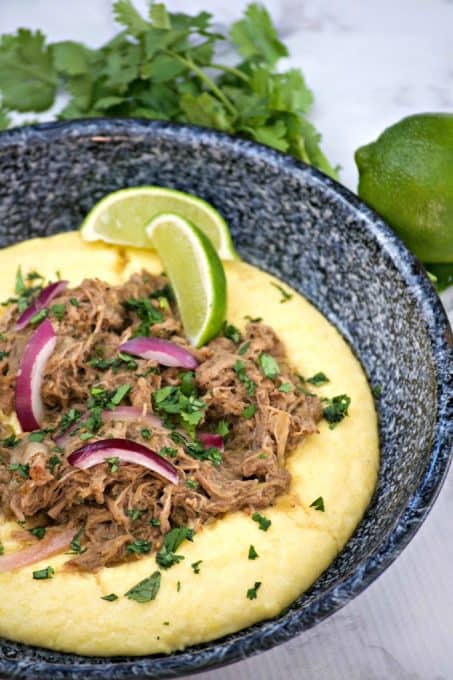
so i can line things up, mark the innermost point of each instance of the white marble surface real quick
(369, 63)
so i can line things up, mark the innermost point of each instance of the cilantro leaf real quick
(336, 409)
(318, 379)
(318, 504)
(262, 521)
(27, 72)
(145, 590)
(268, 365)
(256, 37)
(126, 14)
(166, 556)
(252, 593)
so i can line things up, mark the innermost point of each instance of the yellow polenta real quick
(67, 612)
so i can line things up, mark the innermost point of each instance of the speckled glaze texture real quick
(293, 222)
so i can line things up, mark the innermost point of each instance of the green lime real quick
(121, 217)
(406, 175)
(195, 272)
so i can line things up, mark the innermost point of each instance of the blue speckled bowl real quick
(294, 222)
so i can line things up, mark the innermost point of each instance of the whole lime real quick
(406, 175)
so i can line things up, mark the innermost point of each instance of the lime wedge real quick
(195, 272)
(121, 217)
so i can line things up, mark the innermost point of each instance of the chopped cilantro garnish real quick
(263, 522)
(253, 319)
(198, 451)
(376, 390)
(146, 433)
(3, 355)
(252, 553)
(252, 593)
(168, 451)
(146, 312)
(38, 532)
(166, 292)
(249, 411)
(39, 316)
(166, 556)
(231, 332)
(135, 514)
(268, 365)
(285, 387)
(318, 379)
(24, 291)
(178, 587)
(187, 383)
(243, 348)
(110, 598)
(145, 590)
(52, 463)
(122, 361)
(70, 418)
(2, 548)
(318, 504)
(192, 484)
(185, 411)
(114, 463)
(42, 574)
(250, 386)
(37, 436)
(154, 522)
(76, 548)
(222, 428)
(196, 566)
(139, 547)
(336, 409)
(11, 441)
(119, 394)
(22, 469)
(285, 295)
(58, 311)
(74, 302)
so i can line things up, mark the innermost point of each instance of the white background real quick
(369, 63)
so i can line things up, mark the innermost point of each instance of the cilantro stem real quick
(229, 69)
(206, 79)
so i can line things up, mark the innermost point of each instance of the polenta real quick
(241, 566)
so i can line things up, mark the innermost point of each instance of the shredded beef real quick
(113, 508)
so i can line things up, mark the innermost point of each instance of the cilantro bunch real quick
(164, 67)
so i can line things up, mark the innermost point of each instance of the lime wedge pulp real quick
(121, 218)
(195, 273)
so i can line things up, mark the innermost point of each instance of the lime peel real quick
(195, 273)
(121, 217)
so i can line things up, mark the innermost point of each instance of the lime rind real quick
(195, 272)
(119, 218)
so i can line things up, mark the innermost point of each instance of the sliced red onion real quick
(35, 553)
(126, 451)
(29, 406)
(163, 351)
(210, 439)
(44, 298)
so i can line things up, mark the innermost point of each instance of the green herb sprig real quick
(163, 66)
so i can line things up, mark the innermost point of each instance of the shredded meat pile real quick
(123, 511)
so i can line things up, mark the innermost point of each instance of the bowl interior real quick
(293, 222)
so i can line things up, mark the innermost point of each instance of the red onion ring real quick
(126, 451)
(35, 553)
(45, 296)
(163, 351)
(28, 400)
